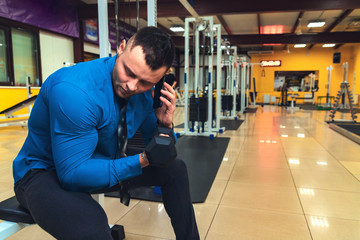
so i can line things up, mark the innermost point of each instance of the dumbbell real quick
(161, 151)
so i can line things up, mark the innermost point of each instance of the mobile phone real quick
(157, 94)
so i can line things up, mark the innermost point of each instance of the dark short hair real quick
(157, 46)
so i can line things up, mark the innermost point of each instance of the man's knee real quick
(179, 165)
(178, 169)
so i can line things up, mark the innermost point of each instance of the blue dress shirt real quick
(73, 128)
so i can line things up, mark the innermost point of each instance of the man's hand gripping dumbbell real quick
(161, 151)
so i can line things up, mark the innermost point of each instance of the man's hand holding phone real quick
(164, 103)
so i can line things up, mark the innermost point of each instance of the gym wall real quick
(317, 58)
(55, 49)
(357, 69)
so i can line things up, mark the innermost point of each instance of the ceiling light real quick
(299, 45)
(177, 28)
(272, 29)
(329, 45)
(315, 24)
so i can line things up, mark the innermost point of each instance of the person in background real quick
(169, 77)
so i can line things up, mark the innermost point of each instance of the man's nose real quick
(132, 84)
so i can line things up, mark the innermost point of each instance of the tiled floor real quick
(285, 175)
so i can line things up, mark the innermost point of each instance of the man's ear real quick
(121, 46)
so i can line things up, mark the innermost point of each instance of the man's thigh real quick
(64, 214)
(155, 176)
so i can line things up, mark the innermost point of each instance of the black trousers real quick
(76, 215)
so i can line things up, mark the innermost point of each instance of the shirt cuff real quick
(128, 167)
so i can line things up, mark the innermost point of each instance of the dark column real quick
(79, 44)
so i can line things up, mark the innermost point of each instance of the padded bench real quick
(16, 218)
(12, 211)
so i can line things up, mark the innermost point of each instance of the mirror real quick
(297, 81)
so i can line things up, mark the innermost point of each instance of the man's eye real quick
(145, 83)
(130, 74)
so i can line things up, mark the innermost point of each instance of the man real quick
(72, 149)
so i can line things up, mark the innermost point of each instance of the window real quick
(19, 57)
(25, 57)
(4, 58)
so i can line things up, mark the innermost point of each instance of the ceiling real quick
(242, 20)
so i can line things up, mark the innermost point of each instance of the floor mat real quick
(250, 110)
(231, 124)
(228, 124)
(314, 108)
(351, 130)
(351, 127)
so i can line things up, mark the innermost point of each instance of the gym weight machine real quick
(232, 84)
(205, 25)
(343, 94)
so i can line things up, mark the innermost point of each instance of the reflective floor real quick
(285, 175)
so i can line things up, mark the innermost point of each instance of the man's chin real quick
(123, 95)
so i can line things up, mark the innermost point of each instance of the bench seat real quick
(12, 211)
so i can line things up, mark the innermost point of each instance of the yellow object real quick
(317, 58)
(10, 96)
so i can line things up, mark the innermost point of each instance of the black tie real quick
(122, 131)
(122, 144)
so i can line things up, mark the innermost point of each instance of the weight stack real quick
(227, 102)
(198, 109)
(136, 144)
(137, 140)
(213, 108)
(230, 103)
(238, 103)
(223, 103)
(194, 102)
(203, 109)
